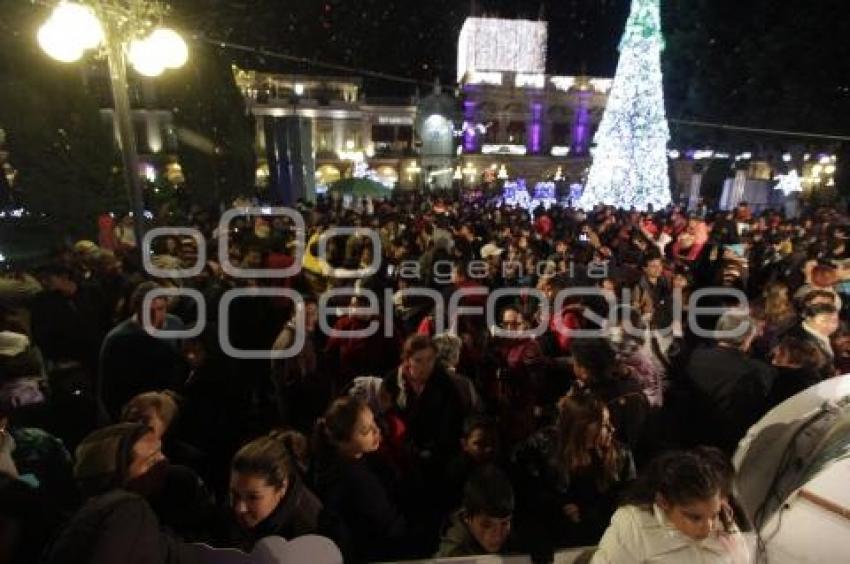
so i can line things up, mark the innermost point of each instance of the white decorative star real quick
(789, 183)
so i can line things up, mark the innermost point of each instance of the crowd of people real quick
(598, 406)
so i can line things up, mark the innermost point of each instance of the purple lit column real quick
(581, 123)
(536, 128)
(469, 144)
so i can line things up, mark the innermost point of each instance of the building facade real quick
(351, 133)
(537, 127)
(518, 120)
(506, 119)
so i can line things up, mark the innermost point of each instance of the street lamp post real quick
(117, 61)
(124, 30)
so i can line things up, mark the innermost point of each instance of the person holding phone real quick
(679, 511)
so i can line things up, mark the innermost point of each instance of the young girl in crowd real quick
(679, 512)
(370, 525)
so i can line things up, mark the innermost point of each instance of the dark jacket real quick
(117, 527)
(434, 418)
(368, 525)
(730, 393)
(132, 362)
(32, 518)
(298, 513)
(790, 382)
(544, 486)
(70, 328)
(827, 368)
(183, 504)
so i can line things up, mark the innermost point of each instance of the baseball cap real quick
(491, 250)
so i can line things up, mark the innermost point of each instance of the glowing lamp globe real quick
(59, 43)
(81, 22)
(145, 59)
(169, 47)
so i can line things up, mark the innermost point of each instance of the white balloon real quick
(170, 47)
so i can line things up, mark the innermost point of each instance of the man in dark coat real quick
(730, 388)
(133, 362)
(69, 319)
(820, 322)
(653, 293)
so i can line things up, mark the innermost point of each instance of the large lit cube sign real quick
(492, 44)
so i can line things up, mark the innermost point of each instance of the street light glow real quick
(81, 22)
(169, 47)
(162, 49)
(59, 45)
(71, 29)
(144, 58)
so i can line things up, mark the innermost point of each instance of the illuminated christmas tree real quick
(630, 159)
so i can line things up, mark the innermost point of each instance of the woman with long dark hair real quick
(598, 371)
(267, 495)
(568, 477)
(369, 525)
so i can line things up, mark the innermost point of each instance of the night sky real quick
(412, 38)
(764, 63)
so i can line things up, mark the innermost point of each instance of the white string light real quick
(630, 167)
(492, 44)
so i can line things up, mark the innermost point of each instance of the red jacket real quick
(356, 354)
(544, 226)
(570, 320)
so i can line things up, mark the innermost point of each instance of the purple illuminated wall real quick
(469, 132)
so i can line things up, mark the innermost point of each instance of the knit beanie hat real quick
(104, 457)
